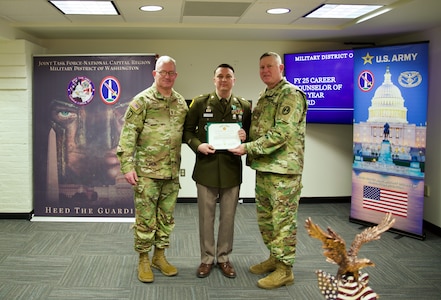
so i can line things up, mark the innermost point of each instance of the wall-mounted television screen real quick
(327, 80)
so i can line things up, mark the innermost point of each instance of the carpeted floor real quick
(67, 260)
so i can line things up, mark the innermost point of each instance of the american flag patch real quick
(385, 200)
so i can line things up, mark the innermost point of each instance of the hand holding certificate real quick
(223, 136)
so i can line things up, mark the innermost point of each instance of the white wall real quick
(15, 126)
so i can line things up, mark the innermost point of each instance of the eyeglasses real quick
(169, 73)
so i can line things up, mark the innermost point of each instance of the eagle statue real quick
(349, 283)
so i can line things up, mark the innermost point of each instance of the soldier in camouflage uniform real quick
(276, 152)
(149, 151)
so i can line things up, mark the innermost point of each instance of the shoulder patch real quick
(129, 114)
(286, 110)
(136, 106)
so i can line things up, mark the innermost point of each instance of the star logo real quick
(367, 59)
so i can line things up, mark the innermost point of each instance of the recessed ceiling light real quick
(278, 11)
(341, 11)
(151, 8)
(86, 7)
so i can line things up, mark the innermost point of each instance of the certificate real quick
(223, 136)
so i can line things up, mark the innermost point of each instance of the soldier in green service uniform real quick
(217, 172)
(276, 152)
(149, 151)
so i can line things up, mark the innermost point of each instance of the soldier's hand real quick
(206, 149)
(239, 150)
(131, 177)
(242, 134)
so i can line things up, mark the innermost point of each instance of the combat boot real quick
(160, 262)
(266, 266)
(281, 276)
(145, 273)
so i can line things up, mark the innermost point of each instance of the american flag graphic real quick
(347, 288)
(385, 200)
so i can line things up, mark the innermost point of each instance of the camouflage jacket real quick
(277, 131)
(151, 137)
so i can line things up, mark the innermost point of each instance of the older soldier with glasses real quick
(149, 151)
(276, 152)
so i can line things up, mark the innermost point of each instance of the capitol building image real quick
(386, 141)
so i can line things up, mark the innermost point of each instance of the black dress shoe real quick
(204, 270)
(227, 269)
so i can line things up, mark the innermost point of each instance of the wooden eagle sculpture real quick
(348, 273)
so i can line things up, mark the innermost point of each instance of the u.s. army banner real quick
(390, 112)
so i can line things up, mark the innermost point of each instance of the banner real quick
(389, 143)
(79, 104)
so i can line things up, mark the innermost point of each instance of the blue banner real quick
(389, 142)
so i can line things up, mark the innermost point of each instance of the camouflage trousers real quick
(155, 201)
(277, 201)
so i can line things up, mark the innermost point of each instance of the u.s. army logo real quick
(286, 110)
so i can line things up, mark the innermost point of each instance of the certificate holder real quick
(223, 136)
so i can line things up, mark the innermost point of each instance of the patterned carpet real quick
(66, 260)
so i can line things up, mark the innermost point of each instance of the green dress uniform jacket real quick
(221, 169)
(151, 138)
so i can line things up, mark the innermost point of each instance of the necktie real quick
(224, 103)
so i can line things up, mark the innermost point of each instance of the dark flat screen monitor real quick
(327, 80)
